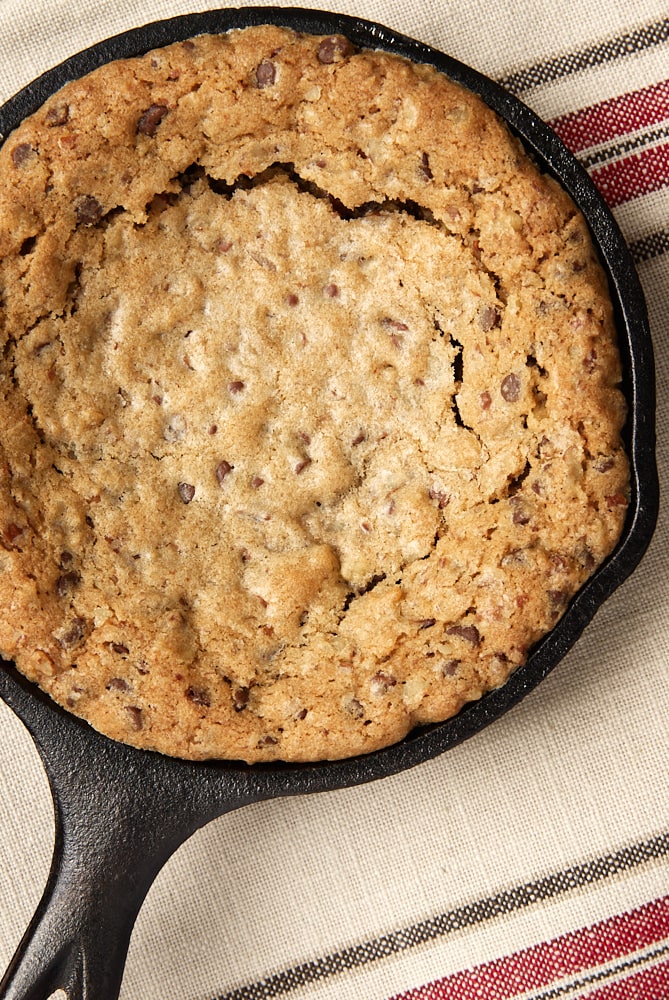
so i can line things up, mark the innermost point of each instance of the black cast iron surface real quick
(119, 812)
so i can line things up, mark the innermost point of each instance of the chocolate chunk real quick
(186, 492)
(66, 583)
(257, 482)
(223, 469)
(510, 388)
(21, 154)
(236, 387)
(265, 73)
(427, 623)
(469, 633)
(267, 741)
(301, 466)
(89, 210)
(119, 648)
(151, 119)
(486, 400)
(198, 696)
(334, 49)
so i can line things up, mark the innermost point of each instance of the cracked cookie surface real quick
(310, 413)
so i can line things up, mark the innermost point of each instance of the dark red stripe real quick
(649, 984)
(634, 175)
(546, 963)
(616, 117)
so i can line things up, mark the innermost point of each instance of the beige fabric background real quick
(581, 768)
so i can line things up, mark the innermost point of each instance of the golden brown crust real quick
(310, 419)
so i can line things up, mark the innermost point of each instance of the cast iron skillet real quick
(120, 812)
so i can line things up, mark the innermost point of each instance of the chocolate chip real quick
(425, 167)
(256, 482)
(485, 400)
(469, 633)
(266, 741)
(240, 698)
(135, 720)
(427, 623)
(12, 532)
(394, 324)
(57, 115)
(616, 500)
(120, 648)
(382, 681)
(265, 73)
(236, 387)
(223, 469)
(301, 466)
(118, 684)
(488, 318)
(66, 583)
(449, 667)
(558, 597)
(151, 119)
(355, 708)
(331, 290)
(186, 492)
(442, 498)
(358, 439)
(89, 210)
(520, 512)
(292, 299)
(334, 49)
(21, 154)
(604, 464)
(510, 388)
(73, 633)
(198, 696)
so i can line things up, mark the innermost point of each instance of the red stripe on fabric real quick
(546, 963)
(635, 175)
(616, 117)
(649, 984)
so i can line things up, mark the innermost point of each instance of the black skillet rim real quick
(639, 386)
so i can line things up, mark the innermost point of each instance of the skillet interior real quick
(106, 793)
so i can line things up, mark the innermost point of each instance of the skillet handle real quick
(119, 815)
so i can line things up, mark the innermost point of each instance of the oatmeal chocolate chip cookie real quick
(310, 412)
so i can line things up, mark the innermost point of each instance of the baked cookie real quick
(310, 412)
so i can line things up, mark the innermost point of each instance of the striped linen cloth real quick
(533, 861)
